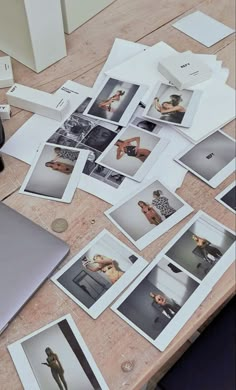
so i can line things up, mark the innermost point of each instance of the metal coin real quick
(59, 225)
(127, 366)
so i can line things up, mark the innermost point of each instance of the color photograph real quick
(148, 213)
(168, 104)
(133, 152)
(116, 101)
(56, 357)
(228, 197)
(98, 274)
(212, 160)
(201, 246)
(55, 173)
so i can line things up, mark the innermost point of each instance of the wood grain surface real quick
(110, 339)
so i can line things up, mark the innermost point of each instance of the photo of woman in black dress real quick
(126, 147)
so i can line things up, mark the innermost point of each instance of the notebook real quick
(28, 255)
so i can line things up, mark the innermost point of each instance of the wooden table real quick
(110, 339)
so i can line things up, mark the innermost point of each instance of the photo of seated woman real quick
(55, 172)
(201, 247)
(133, 152)
(96, 275)
(168, 104)
(156, 300)
(148, 214)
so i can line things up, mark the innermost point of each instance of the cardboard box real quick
(5, 111)
(39, 102)
(77, 12)
(31, 31)
(6, 74)
(184, 70)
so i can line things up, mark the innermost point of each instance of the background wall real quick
(35, 351)
(130, 217)
(224, 152)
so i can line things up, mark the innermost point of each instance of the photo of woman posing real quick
(57, 370)
(171, 110)
(125, 147)
(206, 250)
(106, 104)
(106, 265)
(149, 212)
(59, 166)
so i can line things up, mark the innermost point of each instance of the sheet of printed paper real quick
(203, 28)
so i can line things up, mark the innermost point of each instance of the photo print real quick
(202, 246)
(89, 134)
(56, 357)
(228, 197)
(138, 120)
(116, 101)
(212, 160)
(99, 273)
(133, 152)
(147, 214)
(167, 104)
(55, 173)
(160, 301)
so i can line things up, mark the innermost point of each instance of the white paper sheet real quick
(203, 28)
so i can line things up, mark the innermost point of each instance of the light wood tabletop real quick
(109, 338)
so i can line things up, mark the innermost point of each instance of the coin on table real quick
(59, 225)
(127, 366)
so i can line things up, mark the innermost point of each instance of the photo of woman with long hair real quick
(149, 212)
(161, 202)
(107, 104)
(126, 147)
(206, 250)
(61, 166)
(171, 110)
(108, 266)
(57, 370)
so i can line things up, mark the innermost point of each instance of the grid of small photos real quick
(111, 140)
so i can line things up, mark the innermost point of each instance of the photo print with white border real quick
(55, 173)
(212, 159)
(99, 273)
(228, 197)
(116, 101)
(147, 214)
(167, 104)
(133, 152)
(160, 301)
(203, 248)
(54, 357)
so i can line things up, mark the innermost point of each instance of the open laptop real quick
(28, 255)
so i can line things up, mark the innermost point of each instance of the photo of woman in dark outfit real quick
(125, 147)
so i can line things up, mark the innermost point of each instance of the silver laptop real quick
(28, 255)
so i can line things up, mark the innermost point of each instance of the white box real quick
(77, 12)
(31, 31)
(5, 111)
(6, 74)
(184, 70)
(39, 102)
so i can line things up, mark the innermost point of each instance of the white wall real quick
(35, 351)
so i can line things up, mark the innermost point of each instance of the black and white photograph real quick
(228, 197)
(147, 214)
(148, 125)
(133, 152)
(167, 104)
(212, 160)
(55, 173)
(56, 357)
(159, 301)
(99, 273)
(201, 245)
(116, 101)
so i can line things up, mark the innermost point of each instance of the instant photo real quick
(168, 104)
(202, 246)
(212, 160)
(116, 101)
(99, 273)
(228, 197)
(133, 152)
(55, 173)
(56, 357)
(148, 213)
(160, 301)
